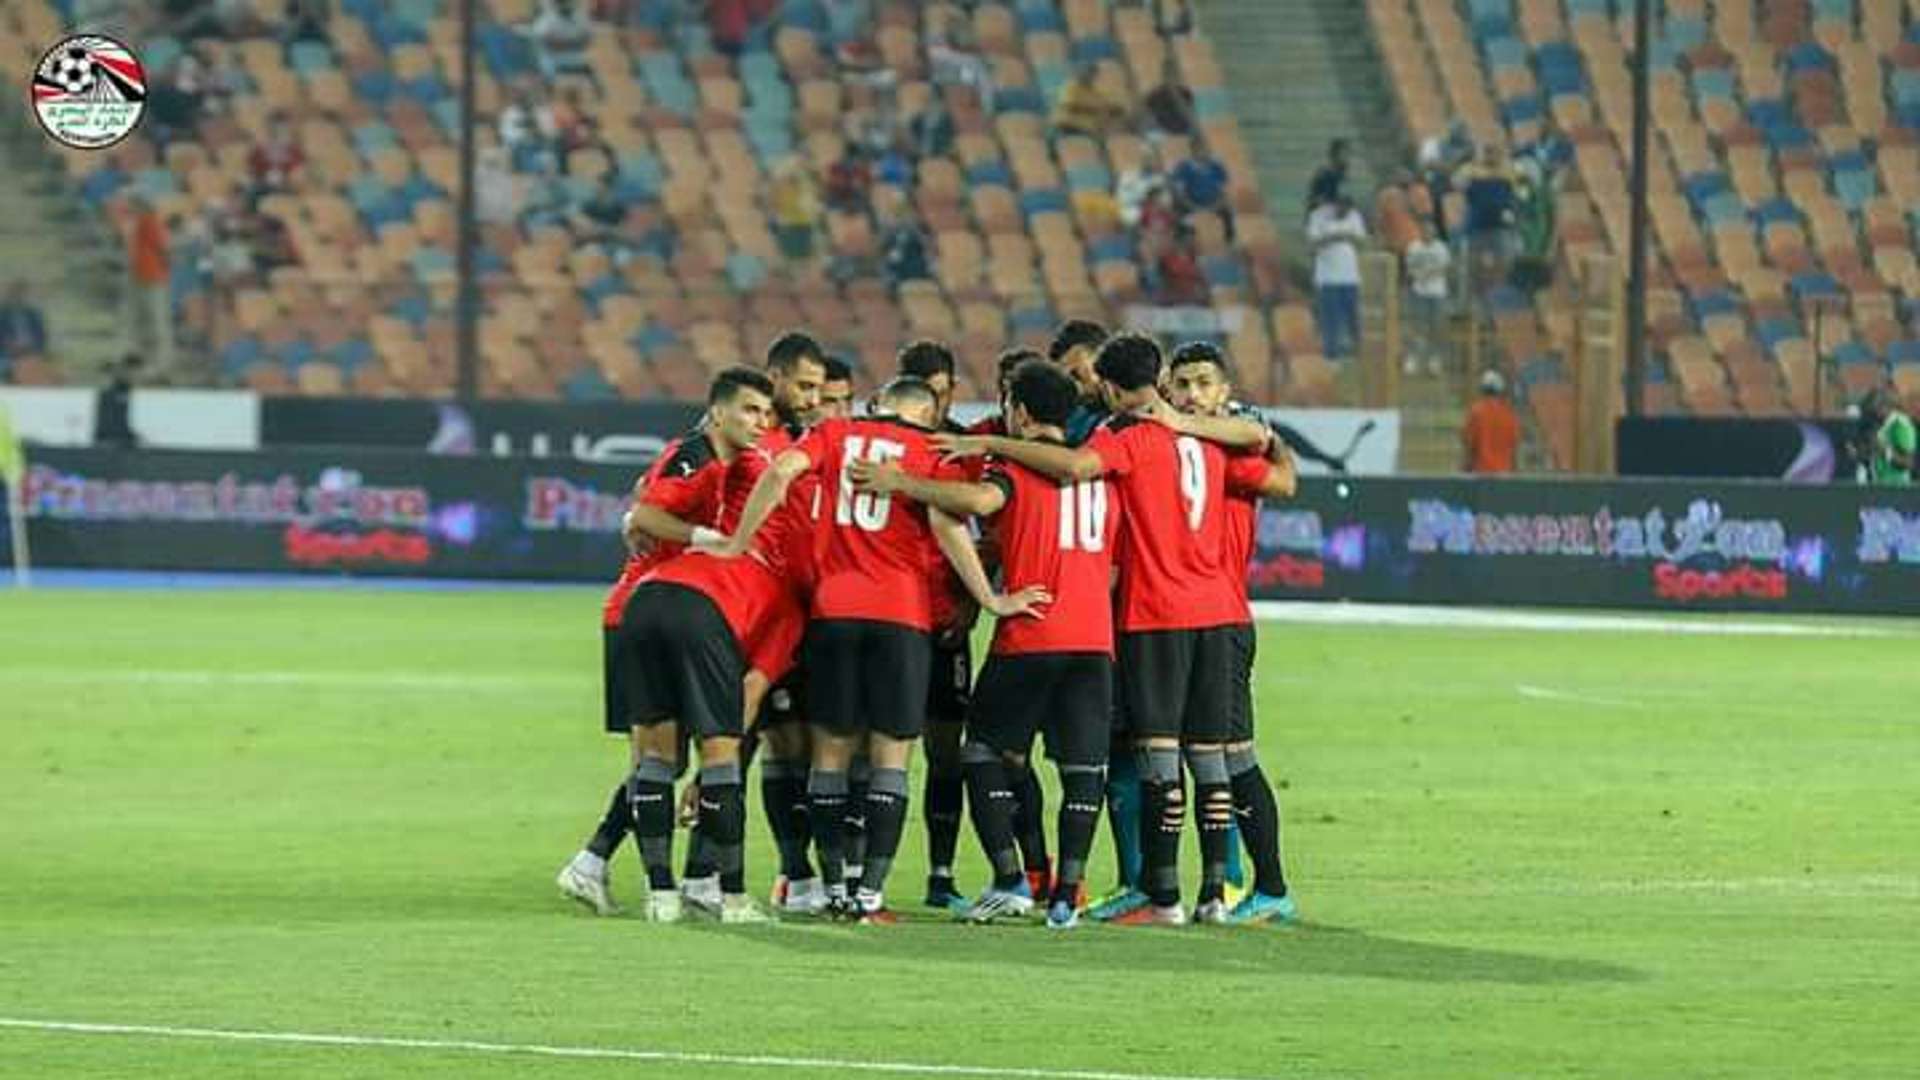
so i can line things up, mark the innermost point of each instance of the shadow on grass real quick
(1303, 949)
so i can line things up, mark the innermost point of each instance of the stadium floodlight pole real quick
(1637, 209)
(466, 314)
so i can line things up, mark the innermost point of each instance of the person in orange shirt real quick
(1393, 214)
(1490, 439)
(150, 262)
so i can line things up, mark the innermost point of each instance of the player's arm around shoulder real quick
(1051, 459)
(961, 498)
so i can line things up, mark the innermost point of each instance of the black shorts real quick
(865, 676)
(950, 687)
(1245, 643)
(1180, 684)
(1069, 696)
(612, 697)
(786, 701)
(679, 661)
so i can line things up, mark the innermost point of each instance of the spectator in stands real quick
(549, 199)
(1489, 187)
(23, 330)
(1084, 108)
(1336, 230)
(850, 181)
(230, 260)
(1429, 265)
(1891, 442)
(1136, 186)
(175, 101)
(272, 244)
(1158, 222)
(528, 129)
(1179, 277)
(795, 203)
(953, 59)
(150, 262)
(276, 163)
(1490, 438)
(651, 232)
(560, 36)
(931, 130)
(728, 23)
(904, 249)
(1169, 106)
(307, 21)
(1329, 182)
(1200, 186)
(112, 418)
(1440, 157)
(600, 218)
(1393, 214)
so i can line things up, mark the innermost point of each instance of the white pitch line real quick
(743, 1061)
(1323, 613)
(1547, 693)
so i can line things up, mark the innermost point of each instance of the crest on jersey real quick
(89, 92)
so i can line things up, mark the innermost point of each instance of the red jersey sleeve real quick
(816, 441)
(1245, 474)
(681, 495)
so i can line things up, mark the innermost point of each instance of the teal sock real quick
(1123, 816)
(1236, 870)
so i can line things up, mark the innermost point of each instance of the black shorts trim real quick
(679, 661)
(1066, 696)
(1245, 641)
(868, 677)
(1181, 684)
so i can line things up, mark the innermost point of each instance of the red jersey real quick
(686, 480)
(874, 555)
(1243, 517)
(1173, 547)
(1061, 537)
(954, 611)
(785, 540)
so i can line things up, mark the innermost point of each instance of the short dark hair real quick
(1129, 361)
(1074, 333)
(1200, 352)
(926, 359)
(1048, 394)
(728, 384)
(790, 348)
(906, 389)
(1013, 358)
(838, 370)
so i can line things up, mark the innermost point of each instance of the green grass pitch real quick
(1518, 854)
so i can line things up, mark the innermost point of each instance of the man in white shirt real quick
(1429, 264)
(1335, 229)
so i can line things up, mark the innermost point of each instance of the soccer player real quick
(1177, 604)
(1074, 347)
(1053, 675)
(806, 383)
(951, 684)
(869, 649)
(1201, 384)
(836, 392)
(693, 633)
(677, 501)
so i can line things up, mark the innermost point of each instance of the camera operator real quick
(1886, 440)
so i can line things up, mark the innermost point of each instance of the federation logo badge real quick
(89, 92)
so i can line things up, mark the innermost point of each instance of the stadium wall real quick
(1705, 545)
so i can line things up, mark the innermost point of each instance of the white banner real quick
(178, 419)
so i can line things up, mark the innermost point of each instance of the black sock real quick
(1029, 818)
(827, 811)
(652, 788)
(1213, 808)
(945, 798)
(1082, 788)
(700, 857)
(1163, 814)
(615, 825)
(783, 786)
(1259, 813)
(723, 822)
(990, 801)
(886, 820)
(856, 826)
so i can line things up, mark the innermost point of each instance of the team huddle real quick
(803, 590)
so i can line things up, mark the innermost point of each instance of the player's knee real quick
(720, 750)
(1160, 764)
(1208, 765)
